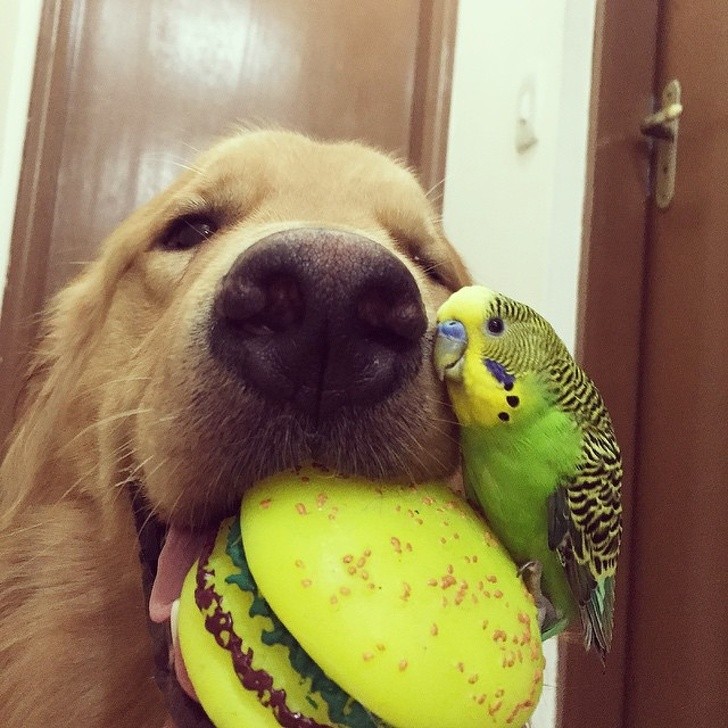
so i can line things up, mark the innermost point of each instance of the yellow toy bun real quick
(400, 609)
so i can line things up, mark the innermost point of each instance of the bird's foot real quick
(547, 615)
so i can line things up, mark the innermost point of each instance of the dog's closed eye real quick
(418, 254)
(430, 269)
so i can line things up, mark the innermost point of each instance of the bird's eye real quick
(495, 326)
(188, 231)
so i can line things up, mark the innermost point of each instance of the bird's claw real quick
(531, 573)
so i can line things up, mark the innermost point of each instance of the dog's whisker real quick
(436, 187)
(137, 468)
(106, 383)
(153, 514)
(192, 147)
(114, 454)
(419, 461)
(157, 467)
(128, 475)
(175, 505)
(104, 421)
(435, 266)
(15, 532)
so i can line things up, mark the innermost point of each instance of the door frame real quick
(611, 293)
(24, 291)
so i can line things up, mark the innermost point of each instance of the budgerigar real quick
(539, 453)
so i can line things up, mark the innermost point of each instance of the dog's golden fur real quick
(122, 387)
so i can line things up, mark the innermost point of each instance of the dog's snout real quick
(320, 318)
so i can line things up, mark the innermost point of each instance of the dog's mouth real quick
(167, 553)
(179, 552)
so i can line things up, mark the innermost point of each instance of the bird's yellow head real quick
(496, 356)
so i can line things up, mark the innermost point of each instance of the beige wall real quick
(19, 22)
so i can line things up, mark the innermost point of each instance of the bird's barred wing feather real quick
(595, 531)
(585, 515)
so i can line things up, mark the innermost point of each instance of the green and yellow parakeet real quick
(539, 453)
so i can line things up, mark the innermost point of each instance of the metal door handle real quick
(659, 124)
(662, 126)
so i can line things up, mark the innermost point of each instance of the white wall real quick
(517, 216)
(19, 23)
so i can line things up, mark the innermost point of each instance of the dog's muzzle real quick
(321, 319)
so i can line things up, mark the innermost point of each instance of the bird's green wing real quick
(585, 526)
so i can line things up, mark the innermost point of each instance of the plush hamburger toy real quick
(340, 602)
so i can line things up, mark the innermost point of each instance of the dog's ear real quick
(72, 329)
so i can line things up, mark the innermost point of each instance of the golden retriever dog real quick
(275, 305)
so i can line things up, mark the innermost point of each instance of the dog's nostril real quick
(257, 308)
(284, 302)
(392, 317)
(239, 301)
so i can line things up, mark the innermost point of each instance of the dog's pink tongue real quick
(180, 551)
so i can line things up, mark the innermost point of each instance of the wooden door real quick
(126, 92)
(654, 334)
(678, 668)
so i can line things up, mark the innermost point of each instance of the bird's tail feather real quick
(597, 617)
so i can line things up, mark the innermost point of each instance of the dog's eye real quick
(430, 270)
(410, 246)
(188, 231)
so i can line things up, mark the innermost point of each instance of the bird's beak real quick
(451, 340)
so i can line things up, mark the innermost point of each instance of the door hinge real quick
(662, 126)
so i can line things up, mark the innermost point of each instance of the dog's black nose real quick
(319, 318)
